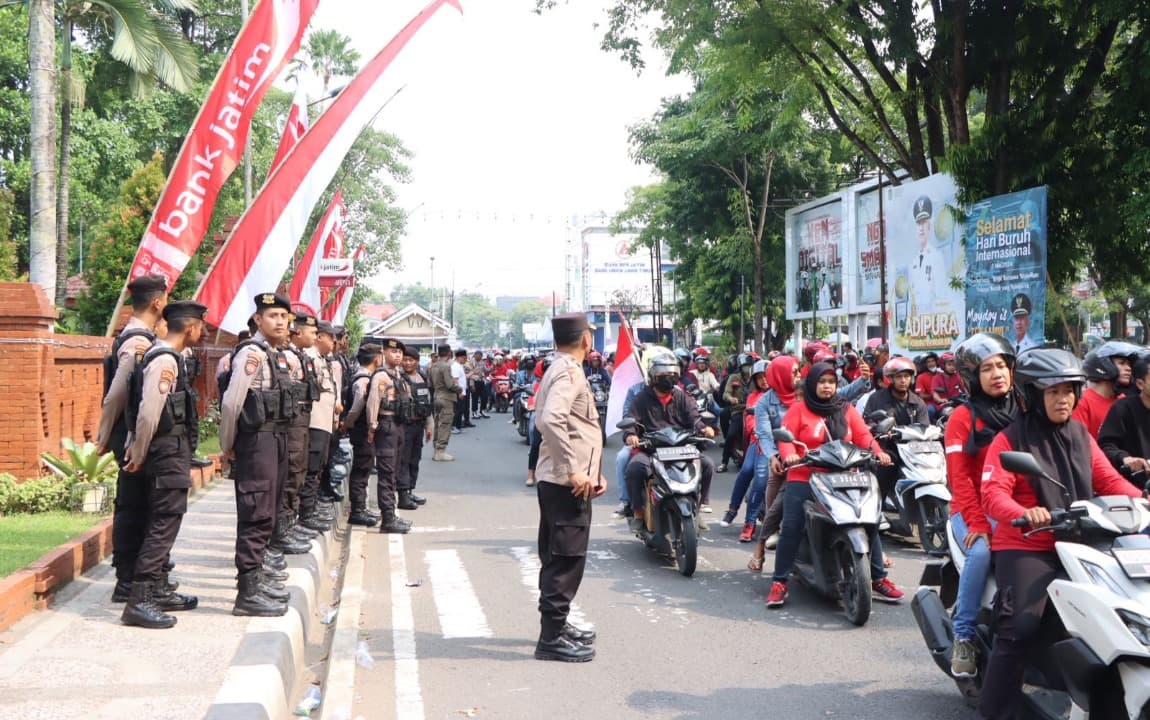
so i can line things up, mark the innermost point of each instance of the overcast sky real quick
(518, 122)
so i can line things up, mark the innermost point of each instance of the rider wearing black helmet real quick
(1051, 382)
(1125, 433)
(1107, 375)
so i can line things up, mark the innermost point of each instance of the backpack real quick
(225, 378)
(112, 359)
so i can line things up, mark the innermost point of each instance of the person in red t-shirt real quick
(986, 362)
(822, 416)
(924, 383)
(1051, 382)
(947, 385)
(1108, 371)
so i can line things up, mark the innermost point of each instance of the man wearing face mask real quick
(659, 405)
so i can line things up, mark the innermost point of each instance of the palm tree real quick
(42, 85)
(144, 40)
(329, 55)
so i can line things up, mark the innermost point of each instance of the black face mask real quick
(664, 383)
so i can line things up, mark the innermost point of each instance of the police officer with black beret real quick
(355, 424)
(385, 390)
(418, 424)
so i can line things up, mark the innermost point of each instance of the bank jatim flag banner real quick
(257, 253)
(213, 148)
(304, 289)
(336, 311)
(294, 128)
(627, 373)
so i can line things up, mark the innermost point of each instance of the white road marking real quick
(408, 698)
(529, 572)
(339, 691)
(460, 614)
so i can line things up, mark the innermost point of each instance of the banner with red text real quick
(260, 247)
(294, 128)
(213, 147)
(305, 283)
(336, 312)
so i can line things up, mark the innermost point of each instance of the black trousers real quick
(362, 460)
(564, 533)
(167, 482)
(733, 437)
(325, 479)
(297, 449)
(408, 471)
(388, 450)
(318, 449)
(1022, 578)
(462, 412)
(129, 510)
(260, 472)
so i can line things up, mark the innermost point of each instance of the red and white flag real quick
(336, 311)
(257, 253)
(294, 128)
(627, 373)
(213, 148)
(305, 290)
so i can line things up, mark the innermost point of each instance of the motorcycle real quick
(1098, 661)
(920, 501)
(501, 391)
(522, 403)
(673, 491)
(834, 554)
(600, 395)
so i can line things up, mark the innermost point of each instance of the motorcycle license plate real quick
(846, 481)
(923, 446)
(667, 454)
(1135, 562)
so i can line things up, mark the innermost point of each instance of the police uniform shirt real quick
(250, 371)
(335, 368)
(380, 391)
(414, 379)
(565, 415)
(926, 273)
(322, 410)
(117, 396)
(160, 379)
(359, 399)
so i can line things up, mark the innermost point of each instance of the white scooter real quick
(920, 503)
(1100, 663)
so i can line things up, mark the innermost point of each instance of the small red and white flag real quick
(304, 289)
(337, 311)
(627, 373)
(294, 128)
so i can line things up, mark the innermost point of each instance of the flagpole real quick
(248, 139)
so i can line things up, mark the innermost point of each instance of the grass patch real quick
(209, 445)
(23, 538)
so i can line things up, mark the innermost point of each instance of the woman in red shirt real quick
(822, 416)
(1051, 382)
(986, 363)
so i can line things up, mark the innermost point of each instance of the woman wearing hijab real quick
(1051, 382)
(821, 416)
(756, 462)
(986, 363)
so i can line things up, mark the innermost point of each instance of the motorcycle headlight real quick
(1138, 625)
(1099, 576)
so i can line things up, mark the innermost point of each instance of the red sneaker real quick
(748, 533)
(886, 590)
(778, 595)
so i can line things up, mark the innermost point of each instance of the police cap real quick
(326, 327)
(302, 320)
(184, 309)
(569, 328)
(266, 301)
(411, 351)
(148, 285)
(1020, 305)
(392, 344)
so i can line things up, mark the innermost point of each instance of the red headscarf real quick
(781, 378)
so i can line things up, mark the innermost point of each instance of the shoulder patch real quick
(252, 365)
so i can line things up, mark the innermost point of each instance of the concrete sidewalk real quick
(76, 660)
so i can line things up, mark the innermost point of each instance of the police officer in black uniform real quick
(289, 536)
(256, 411)
(418, 424)
(161, 412)
(385, 390)
(356, 426)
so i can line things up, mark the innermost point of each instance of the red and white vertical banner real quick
(215, 144)
(336, 311)
(305, 289)
(294, 128)
(257, 253)
(627, 373)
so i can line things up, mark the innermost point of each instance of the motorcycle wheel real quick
(931, 524)
(521, 426)
(854, 569)
(685, 541)
(501, 405)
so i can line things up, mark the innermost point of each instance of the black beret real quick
(326, 327)
(411, 351)
(272, 300)
(148, 284)
(392, 344)
(184, 309)
(444, 351)
(302, 320)
(340, 331)
(568, 328)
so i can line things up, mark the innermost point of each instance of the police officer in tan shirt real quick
(568, 478)
(384, 430)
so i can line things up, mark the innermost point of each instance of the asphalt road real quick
(449, 615)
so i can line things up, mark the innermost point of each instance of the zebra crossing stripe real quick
(529, 572)
(460, 614)
(408, 698)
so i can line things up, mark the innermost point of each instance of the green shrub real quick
(35, 495)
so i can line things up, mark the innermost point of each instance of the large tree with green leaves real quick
(327, 54)
(42, 191)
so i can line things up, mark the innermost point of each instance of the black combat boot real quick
(271, 588)
(310, 518)
(325, 511)
(171, 601)
(122, 591)
(251, 602)
(417, 499)
(285, 542)
(274, 575)
(562, 648)
(300, 531)
(405, 502)
(275, 561)
(362, 517)
(392, 524)
(142, 609)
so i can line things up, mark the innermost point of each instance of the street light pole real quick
(884, 322)
(434, 341)
(248, 140)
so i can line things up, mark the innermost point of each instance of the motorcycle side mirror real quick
(885, 425)
(876, 416)
(708, 417)
(627, 424)
(691, 388)
(782, 435)
(1021, 463)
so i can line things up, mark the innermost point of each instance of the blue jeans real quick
(791, 535)
(753, 475)
(972, 582)
(621, 459)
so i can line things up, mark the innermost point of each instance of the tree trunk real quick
(42, 67)
(758, 237)
(62, 193)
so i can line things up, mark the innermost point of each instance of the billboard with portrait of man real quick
(815, 260)
(925, 265)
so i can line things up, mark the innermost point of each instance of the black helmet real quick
(1036, 370)
(1099, 364)
(974, 351)
(746, 360)
(662, 365)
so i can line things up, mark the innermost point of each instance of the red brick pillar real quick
(27, 393)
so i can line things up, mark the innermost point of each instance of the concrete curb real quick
(267, 669)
